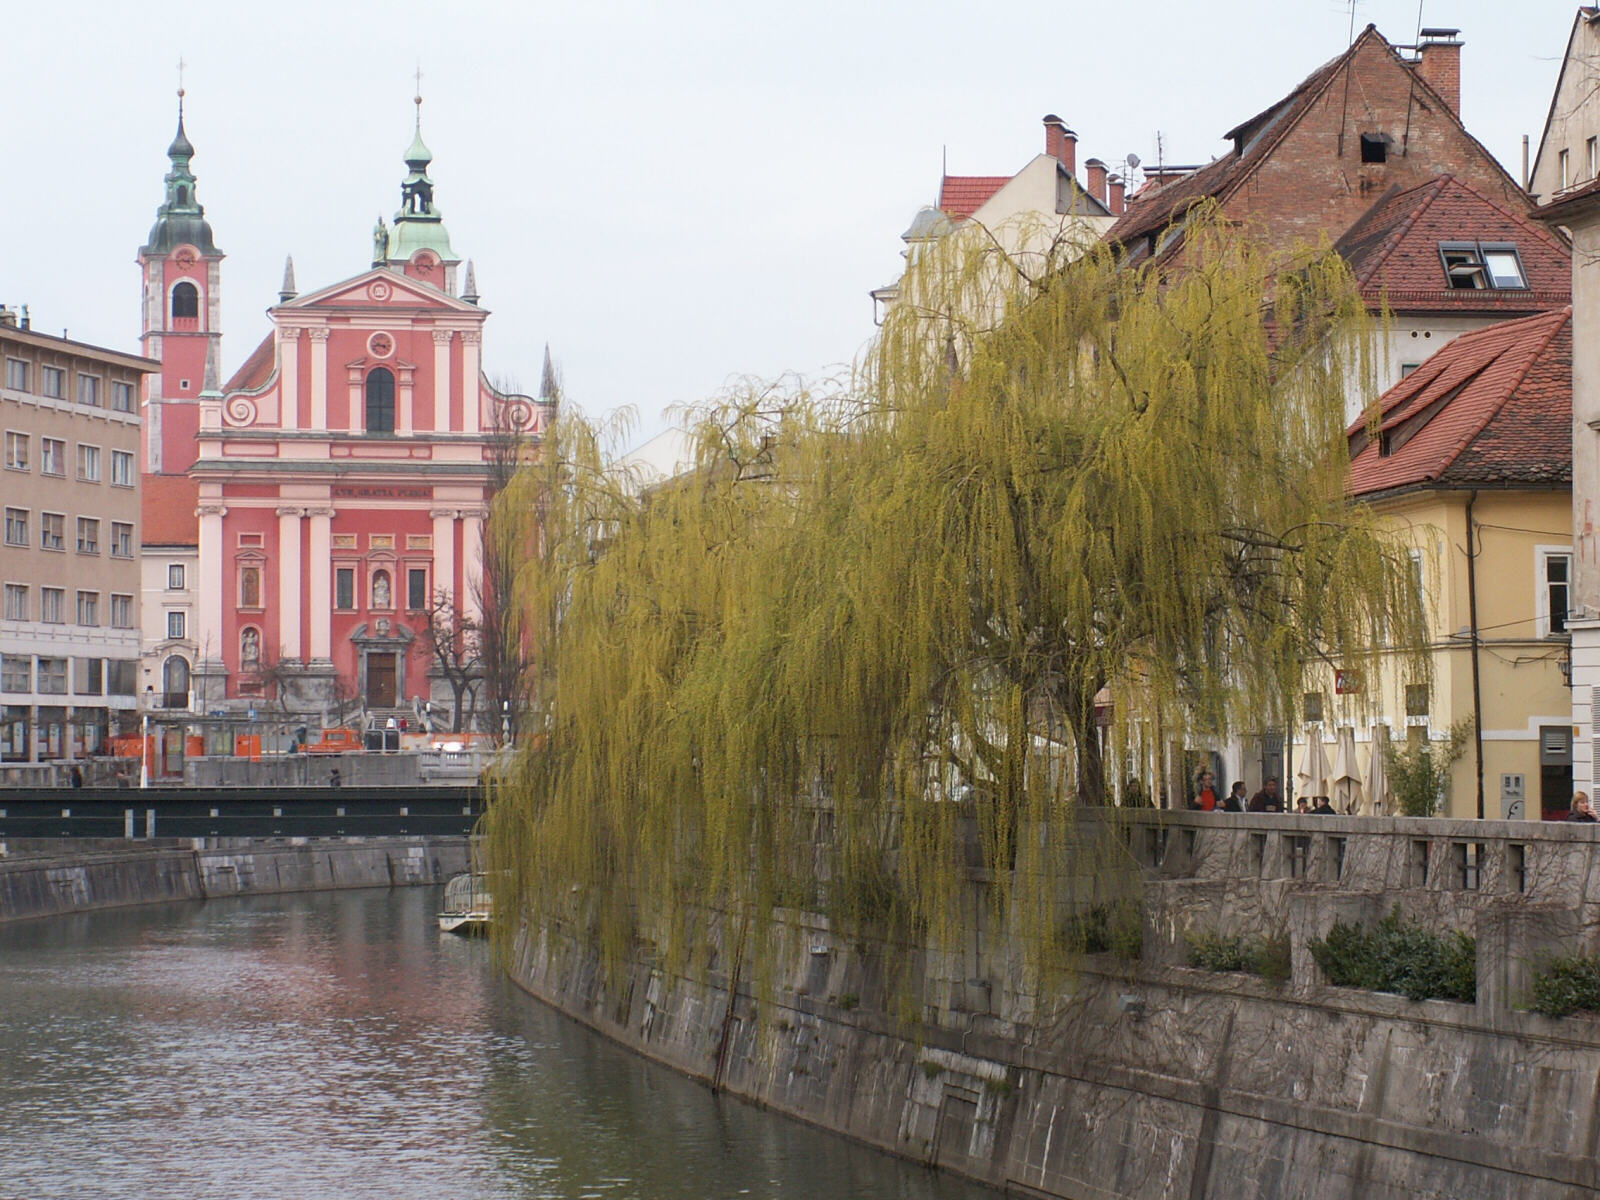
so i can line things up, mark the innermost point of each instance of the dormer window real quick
(1374, 147)
(1482, 266)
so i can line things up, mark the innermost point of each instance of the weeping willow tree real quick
(886, 634)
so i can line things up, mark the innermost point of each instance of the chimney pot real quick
(1439, 64)
(1060, 143)
(1096, 172)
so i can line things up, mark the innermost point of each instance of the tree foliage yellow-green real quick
(889, 636)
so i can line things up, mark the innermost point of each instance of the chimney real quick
(1118, 204)
(1060, 143)
(1096, 172)
(1439, 64)
(8, 319)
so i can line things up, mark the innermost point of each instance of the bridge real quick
(303, 812)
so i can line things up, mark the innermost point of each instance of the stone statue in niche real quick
(380, 590)
(250, 646)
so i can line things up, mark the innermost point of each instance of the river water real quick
(336, 1045)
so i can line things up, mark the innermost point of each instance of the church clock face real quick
(380, 345)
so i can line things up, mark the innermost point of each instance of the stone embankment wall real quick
(41, 880)
(1150, 1079)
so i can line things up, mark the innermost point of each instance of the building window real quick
(16, 602)
(89, 463)
(382, 590)
(1417, 696)
(89, 390)
(16, 673)
(175, 682)
(1564, 161)
(175, 624)
(16, 451)
(250, 587)
(1407, 368)
(175, 577)
(417, 588)
(55, 383)
(88, 676)
(186, 301)
(88, 535)
(52, 606)
(252, 539)
(89, 608)
(122, 397)
(1482, 266)
(53, 676)
(380, 401)
(17, 372)
(16, 527)
(250, 646)
(52, 531)
(121, 611)
(1592, 152)
(52, 456)
(122, 468)
(344, 588)
(1374, 148)
(1555, 583)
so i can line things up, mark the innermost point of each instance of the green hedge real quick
(1567, 985)
(1400, 956)
(1266, 957)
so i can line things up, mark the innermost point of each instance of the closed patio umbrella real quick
(1311, 777)
(1376, 799)
(1346, 779)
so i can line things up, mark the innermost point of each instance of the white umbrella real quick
(1376, 799)
(1346, 780)
(1311, 777)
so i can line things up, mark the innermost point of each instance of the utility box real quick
(1513, 797)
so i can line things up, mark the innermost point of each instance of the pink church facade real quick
(341, 478)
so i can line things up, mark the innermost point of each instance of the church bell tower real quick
(181, 309)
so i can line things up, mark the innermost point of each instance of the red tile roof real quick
(962, 195)
(1394, 251)
(257, 369)
(1491, 409)
(167, 511)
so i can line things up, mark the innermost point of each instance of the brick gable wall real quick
(1306, 187)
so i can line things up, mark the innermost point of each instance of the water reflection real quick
(338, 1045)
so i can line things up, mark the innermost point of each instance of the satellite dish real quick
(1133, 160)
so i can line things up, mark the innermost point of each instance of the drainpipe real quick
(1472, 618)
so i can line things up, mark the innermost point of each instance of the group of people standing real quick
(1268, 799)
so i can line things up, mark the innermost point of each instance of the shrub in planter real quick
(1400, 956)
(1567, 985)
(1266, 957)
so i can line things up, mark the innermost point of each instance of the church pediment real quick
(381, 288)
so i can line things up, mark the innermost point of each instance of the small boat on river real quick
(467, 905)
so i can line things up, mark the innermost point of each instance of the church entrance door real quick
(380, 680)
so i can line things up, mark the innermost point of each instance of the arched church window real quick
(186, 300)
(382, 592)
(175, 682)
(183, 193)
(380, 401)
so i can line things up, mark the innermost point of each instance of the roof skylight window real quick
(1482, 266)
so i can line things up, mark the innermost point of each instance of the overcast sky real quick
(670, 194)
